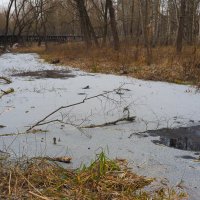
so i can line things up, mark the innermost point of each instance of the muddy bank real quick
(62, 74)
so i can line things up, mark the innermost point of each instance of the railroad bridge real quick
(11, 39)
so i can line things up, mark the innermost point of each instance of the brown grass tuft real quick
(103, 179)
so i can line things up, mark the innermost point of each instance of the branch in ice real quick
(42, 121)
(127, 119)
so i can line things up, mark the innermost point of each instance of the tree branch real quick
(128, 119)
(42, 121)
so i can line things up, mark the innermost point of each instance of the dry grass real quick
(166, 66)
(104, 179)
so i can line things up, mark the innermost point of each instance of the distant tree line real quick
(143, 22)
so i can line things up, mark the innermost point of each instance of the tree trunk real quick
(146, 28)
(156, 23)
(179, 41)
(123, 18)
(86, 26)
(113, 25)
(7, 22)
(132, 13)
(105, 31)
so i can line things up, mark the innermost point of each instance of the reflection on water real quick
(185, 138)
(179, 143)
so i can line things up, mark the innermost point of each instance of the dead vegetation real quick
(103, 179)
(123, 119)
(129, 60)
(5, 80)
(6, 92)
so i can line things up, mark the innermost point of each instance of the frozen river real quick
(41, 88)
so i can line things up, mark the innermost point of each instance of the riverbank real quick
(38, 178)
(130, 60)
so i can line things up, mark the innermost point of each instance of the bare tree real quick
(145, 8)
(113, 25)
(7, 13)
(142, 22)
(179, 42)
(85, 23)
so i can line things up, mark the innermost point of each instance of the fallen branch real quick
(33, 131)
(41, 122)
(63, 159)
(9, 91)
(127, 119)
(7, 80)
(138, 133)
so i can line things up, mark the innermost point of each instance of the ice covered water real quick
(156, 105)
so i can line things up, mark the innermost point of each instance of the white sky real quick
(3, 3)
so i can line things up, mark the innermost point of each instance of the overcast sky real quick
(4, 2)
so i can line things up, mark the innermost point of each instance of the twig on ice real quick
(42, 121)
(7, 80)
(5, 92)
(128, 119)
